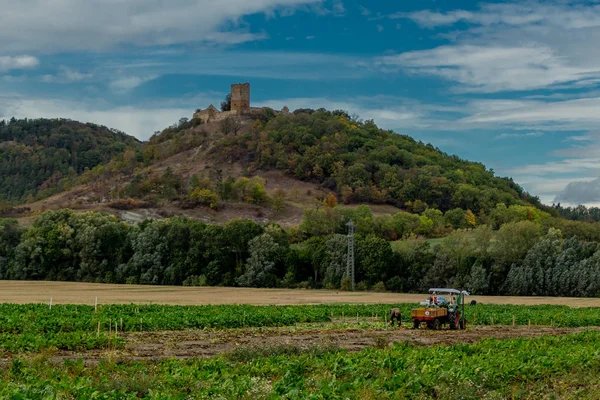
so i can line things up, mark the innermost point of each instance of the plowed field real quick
(153, 346)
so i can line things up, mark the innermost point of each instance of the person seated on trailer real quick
(432, 300)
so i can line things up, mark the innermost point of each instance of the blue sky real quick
(515, 85)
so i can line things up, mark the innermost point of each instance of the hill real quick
(267, 166)
(365, 164)
(40, 157)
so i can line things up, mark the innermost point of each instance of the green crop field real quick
(564, 367)
(32, 338)
(35, 327)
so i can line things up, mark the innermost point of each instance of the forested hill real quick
(354, 159)
(39, 157)
(365, 164)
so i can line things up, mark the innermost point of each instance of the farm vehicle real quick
(438, 310)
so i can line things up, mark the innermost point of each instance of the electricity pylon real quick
(350, 263)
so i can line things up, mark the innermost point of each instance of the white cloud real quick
(67, 75)
(566, 166)
(511, 46)
(518, 135)
(364, 11)
(126, 84)
(577, 192)
(72, 25)
(547, 187)
(583, 138)
(338, 9)
(380, 28)
(559, 115)
(239, 64)
(563, 14)
(396, 115)
(18, 62)
(491, 68)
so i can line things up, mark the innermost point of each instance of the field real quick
(20, 292)
(338, 346)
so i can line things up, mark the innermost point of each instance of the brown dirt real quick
(85, 293)
(152, 346)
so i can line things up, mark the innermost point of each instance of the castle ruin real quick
(240, 105)
(240, 97)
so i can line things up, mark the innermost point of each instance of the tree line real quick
(519, 258)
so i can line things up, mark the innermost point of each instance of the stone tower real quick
(240, 97)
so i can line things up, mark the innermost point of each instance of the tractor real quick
(438, 310)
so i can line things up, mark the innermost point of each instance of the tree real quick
(279, 200)
(336, 252)
(415, 257)
(226, 104)
(238, 232)
(479, 279)
(257, 192)
(435, 215)
(230, 125)
(470, 219)
(10, 236)
(251, 190)
(320, 223)
(261, 264)
(375, 259)
(347, 194)
(330, 201)
(455, 218)
(205, 197)
(241, 188)
(534, 277)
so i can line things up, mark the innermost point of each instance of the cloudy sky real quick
(515, 85)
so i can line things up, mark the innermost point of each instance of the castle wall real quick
(240, 106)
(209, 115)
(240, 97)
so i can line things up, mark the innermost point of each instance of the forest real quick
(365, 164)
(521, 257)
(40, 157)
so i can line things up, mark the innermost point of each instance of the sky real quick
(514, 85)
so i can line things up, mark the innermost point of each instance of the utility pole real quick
(350, 263)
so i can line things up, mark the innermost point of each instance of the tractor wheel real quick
(454, 321)
(436, 324)
(416, 324)
(429, 325)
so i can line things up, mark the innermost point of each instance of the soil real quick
(154, 346)
(22, 292)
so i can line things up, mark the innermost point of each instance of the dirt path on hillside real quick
(154, 346)
(21, 292)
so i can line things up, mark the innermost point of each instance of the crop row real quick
(513, 368)
(37, 318)
(36, 342)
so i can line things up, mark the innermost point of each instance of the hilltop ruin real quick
(240, 105)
